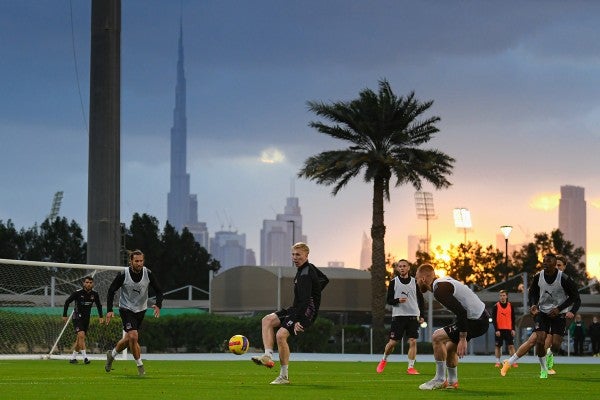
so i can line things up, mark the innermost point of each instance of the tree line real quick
(175, 257)
(481, 267)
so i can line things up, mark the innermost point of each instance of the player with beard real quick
(553, 297)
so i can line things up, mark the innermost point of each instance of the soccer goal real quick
(32, 297)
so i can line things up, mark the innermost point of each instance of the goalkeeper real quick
(84, 299)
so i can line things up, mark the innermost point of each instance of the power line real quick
(76, 67)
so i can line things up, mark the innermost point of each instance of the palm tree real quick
(384, 133)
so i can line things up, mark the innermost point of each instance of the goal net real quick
(32, 297)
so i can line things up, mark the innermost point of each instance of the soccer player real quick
(133, 302)
(450, 342)
(553, 297)
(503, 318)
(84, 299)
(561, 264)
(407, 313)
(308, 284)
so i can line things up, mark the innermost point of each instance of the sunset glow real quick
(545, 201)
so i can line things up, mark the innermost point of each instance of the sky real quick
(515, 84)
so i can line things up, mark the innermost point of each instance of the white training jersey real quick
(134, 295)
(551, 295)
(410, 308)
(465, 296)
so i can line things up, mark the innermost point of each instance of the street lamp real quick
(506, 230)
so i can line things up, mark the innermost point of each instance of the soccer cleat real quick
(433, 385)
(381, 366)
(505, 368)
(412, 371)
(551, 372)
(497, 365)
(515, 365)
(109, 361)
(451, 385)
(263, 360)
(281, 380)
(73, 361)
(549, 360)
(86, 361)
(543, 374)
(141, 370)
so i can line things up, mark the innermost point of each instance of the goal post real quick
(32, 297)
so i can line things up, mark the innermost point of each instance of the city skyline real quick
(514, 85)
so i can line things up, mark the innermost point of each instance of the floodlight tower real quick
(56, 202)
(462, 220)
(425, 210)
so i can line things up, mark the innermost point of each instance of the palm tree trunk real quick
(378, 290)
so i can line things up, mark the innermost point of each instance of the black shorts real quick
(555, 326)
(132, 321)
(475, 328)
(286, 319)
(401, 325)
(81, 323)
(505, 337)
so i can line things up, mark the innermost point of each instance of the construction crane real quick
(55, 206)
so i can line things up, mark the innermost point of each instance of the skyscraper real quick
(229, 248)
(278, 235)
(182, 207)
(572, 215)
(366, 252)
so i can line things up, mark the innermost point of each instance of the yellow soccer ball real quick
(238, 344)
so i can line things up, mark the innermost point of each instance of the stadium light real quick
(462, 220)
(425, 210)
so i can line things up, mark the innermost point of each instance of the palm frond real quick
(333, 167)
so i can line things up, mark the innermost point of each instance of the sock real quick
(269, 352)
(549, 351)
(284, 371)
(411, 363)
(83, 353)
(440, 371)
(74, 354)
(385, 356)
(513, 359)
(543, 363)
(497, 359)
(452, 374)
(114, 352)
(139, 362)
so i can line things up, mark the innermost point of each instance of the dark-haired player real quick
(133, 302)
(84, 298)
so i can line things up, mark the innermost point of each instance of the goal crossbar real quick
(61, 265)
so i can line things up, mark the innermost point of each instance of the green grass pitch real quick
(57, 379)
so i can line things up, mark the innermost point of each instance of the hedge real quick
(193, 333)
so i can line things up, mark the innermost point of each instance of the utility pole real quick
(104, 168)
